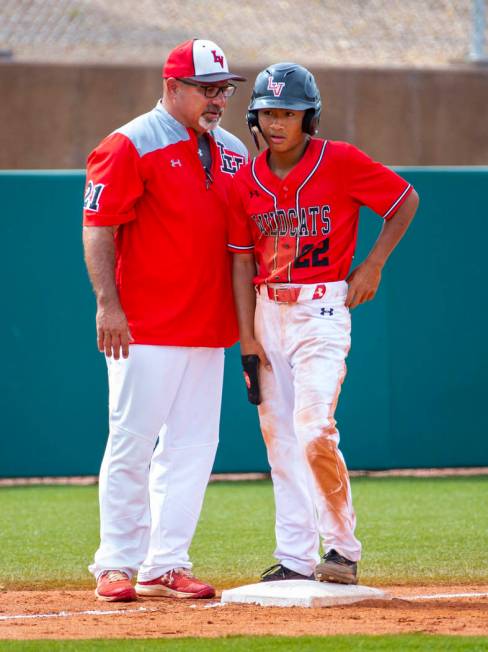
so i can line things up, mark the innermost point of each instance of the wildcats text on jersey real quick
(303, 228)
(310, 221)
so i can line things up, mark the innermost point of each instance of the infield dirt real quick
(178, 618)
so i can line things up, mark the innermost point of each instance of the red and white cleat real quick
(177, 583)
(115, 586)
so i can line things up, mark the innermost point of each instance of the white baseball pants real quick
(307, 343)
(164, 413)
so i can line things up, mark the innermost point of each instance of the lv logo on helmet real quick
(276, 87)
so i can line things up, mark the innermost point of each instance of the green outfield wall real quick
(417, 376)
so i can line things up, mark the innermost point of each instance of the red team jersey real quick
(303, 228)
(172, 266)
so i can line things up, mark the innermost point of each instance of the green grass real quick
(402, 643)
(413, 531)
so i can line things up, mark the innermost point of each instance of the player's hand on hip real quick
(253, 347)
(113, 332)
(363, 283)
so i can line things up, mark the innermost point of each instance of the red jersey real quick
(172, 265)
(303, 228)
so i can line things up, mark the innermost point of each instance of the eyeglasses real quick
(212, 91)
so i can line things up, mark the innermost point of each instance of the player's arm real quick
(252, 353)
(243, 272)
(241, 245)
(112, 328)
(364, 280)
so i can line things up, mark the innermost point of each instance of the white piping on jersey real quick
(229, 244)
(297, 196)
(314, 169)
(397, 201)
(255, 177)
(275, 202)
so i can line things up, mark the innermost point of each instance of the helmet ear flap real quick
(254, 128)
(252, 120)
(310, 122)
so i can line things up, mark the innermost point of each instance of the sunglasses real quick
(212, 91)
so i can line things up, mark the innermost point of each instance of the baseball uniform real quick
(302, 230)
(172, 274)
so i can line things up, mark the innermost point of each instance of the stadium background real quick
(406, 81)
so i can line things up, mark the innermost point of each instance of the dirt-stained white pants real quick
(164, 412)
(307, 343)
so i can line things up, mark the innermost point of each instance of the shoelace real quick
(115, 576)
(272, 569)
(179, 571)
(334, 556)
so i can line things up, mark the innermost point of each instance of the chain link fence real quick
(311, 32)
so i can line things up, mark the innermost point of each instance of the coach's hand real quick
(113, 331)
(363, 283)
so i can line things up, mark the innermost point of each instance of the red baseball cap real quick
(198, 60)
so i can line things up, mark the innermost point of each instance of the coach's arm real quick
(113, 332)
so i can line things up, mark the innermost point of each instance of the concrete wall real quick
(51, 116)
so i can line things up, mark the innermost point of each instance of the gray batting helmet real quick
(286, 86)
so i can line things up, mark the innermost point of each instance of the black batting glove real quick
(250, 366)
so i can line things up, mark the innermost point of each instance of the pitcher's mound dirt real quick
(174, 618)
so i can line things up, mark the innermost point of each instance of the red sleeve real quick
(374, 185)
(113, 182)
(240, 235)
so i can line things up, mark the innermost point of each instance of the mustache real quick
(214, 109)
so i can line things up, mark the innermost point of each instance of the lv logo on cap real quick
(218, 58)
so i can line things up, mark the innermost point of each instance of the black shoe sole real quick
(287, 579)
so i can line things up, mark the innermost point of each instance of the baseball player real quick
(155, 234)
(293, 230)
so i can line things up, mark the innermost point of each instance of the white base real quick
(300, 593)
